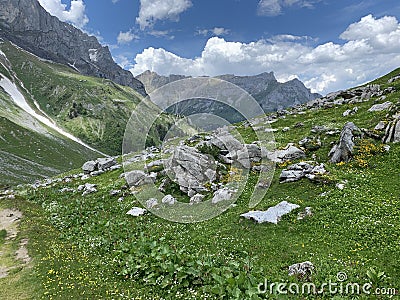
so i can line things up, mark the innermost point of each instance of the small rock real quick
(380, 126)
(304, 214)
(136, 212)
(285, 129)
(114, 192)
(301, 270)
(222, 195)
(152, 202)
(168, 199)
(106, 163)
(196, 199)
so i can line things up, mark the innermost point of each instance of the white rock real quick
(152, 202)
(136, 212)
(273, 214)
(222, 195)
(168, 199)
(380, 107)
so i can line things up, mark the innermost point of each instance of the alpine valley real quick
(78, 220)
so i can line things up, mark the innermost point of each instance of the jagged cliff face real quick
(27, 24)
(269, 93)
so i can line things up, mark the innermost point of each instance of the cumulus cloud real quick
(75, 15)
(155, 10)
(126, 37)
(273, 8)
(216, 31)
(324, 68)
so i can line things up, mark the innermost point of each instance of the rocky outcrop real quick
(392, 134)
(27, 24)
(191, 169)
(343, 151)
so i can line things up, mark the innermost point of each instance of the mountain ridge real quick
(268, 92)
(31, 27)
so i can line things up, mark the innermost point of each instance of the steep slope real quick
(268, 92)
(28, 25)
(64, 116)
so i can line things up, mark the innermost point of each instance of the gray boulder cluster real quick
(100, 165)
(301, 170)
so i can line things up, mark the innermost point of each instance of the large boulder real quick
(191, 169)
(226, 141)
(343, 151)
(89, 166)
(137, 178)
(380, 107)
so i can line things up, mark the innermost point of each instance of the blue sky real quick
(327, 44)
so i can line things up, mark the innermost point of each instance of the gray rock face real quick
(224, 194)
(380, 107)
(268, 92)
(344, 150)
(191, 169)
(273, 214)
(27, 24)
(392, 134)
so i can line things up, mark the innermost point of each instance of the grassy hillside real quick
(86, 247)
(93, 109)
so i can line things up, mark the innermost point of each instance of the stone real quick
(343, 151)
(191, 169)
(290, 152)
(392, 134)
(304, 214)
(89, 166)
(137, 178)
(226, 141)
(300, 170)
(168, 199)
(197, 199)
(273, 214)
(67, 190)
(136, 212)
(301, 270)
(106, 163)
(380, 107)
(380, 126)
(96, 173)
(224, 194)
(350, 112)
(87, 188)
(151, 203)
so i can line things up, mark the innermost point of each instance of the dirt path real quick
(9, 221)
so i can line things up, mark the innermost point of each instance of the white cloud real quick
(273, 8)
(126, 37)
(155, 10)
(324, 68)
(114, 1)
(216, 31)
(75, 15)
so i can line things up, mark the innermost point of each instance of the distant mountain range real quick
(267, 91)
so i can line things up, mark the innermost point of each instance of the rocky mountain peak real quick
(31, 27)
